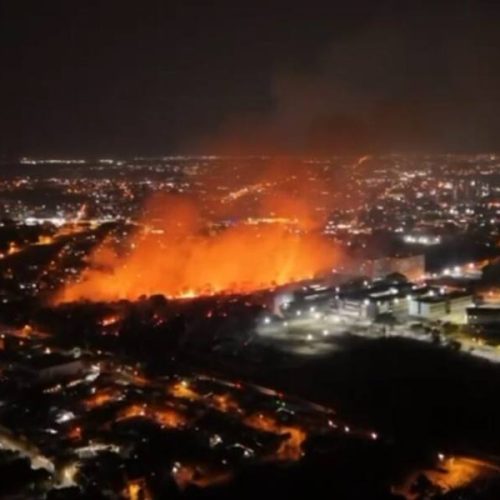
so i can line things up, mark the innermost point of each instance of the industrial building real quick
(436, 306)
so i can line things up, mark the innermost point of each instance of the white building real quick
(440, 306)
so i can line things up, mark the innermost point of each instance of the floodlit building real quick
(438, 305)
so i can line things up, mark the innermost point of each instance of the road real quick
(316, 334)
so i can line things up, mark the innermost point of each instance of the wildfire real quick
(183, 260)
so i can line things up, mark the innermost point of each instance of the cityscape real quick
(250, 250)
(122, 382)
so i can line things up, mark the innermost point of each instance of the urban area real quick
(226, 327)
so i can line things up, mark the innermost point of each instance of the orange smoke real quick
(174, 254)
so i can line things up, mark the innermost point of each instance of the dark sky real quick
(126, 78)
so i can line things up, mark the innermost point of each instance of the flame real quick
(182, 259)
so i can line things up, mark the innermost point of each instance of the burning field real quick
(177, 251)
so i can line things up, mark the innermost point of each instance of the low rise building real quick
(438, 306)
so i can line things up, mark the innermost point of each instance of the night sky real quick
(148, 78)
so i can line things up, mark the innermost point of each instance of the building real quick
(439, 306)
(369, 300)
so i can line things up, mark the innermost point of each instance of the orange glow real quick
(181, 259)
(45, 240)
(291, 448)
(166, 417)
(137, 490)
(225, 403)
(221, 402)
(13, 248)
(75, 433)
(455, 472)
(182, 390)
(198, 475)
(450, 474)
(110, 320)
(101, 398)
(26, 331)
(131, 411)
